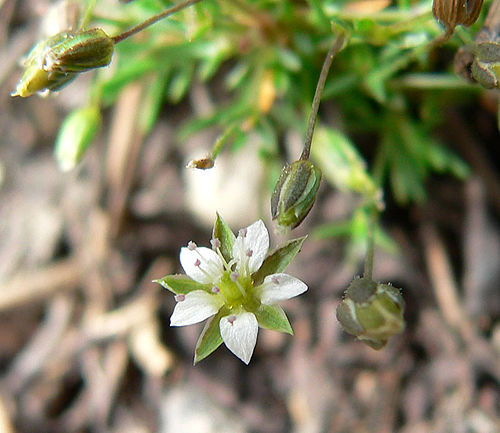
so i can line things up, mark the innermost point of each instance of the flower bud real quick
(35, 80)
(294, 193)
(485, 68)
(75, 135)
(456, 12)
(372, 312)
(55, 61)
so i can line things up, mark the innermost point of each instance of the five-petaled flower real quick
(237, 285)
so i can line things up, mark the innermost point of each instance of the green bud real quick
(485, 68)
(294, 193)
(372, 312)
(35, 80)
(75, 135)
(55, 61)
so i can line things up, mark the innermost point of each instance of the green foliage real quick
(385, 87)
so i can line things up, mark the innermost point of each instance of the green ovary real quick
(238, 293)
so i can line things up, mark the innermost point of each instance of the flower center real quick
(236, 288)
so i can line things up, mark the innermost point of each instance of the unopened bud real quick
(456, 12)
(294, 193)
(372, 312)
(75, 135)
(55, 61)
(485, 68)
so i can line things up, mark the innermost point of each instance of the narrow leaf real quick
(278, 260)
(210, 338)
(226, 237)
(273, 317)
(181, 284)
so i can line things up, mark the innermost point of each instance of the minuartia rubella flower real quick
(237, 285)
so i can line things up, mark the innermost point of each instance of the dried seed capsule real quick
(372, 312)
(294, 193)
(456, 12)
(55, 61)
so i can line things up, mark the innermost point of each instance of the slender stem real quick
(498, 113)
(221, 140)
(370, 248)
(88, 14)
(336, 47)
(153, 19)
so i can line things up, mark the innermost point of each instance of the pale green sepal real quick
(181, 284)
(75, 135)
(273, 317)
(210, 338)
(278, 260)
(226, 237)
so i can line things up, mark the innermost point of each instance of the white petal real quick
(239, 333)
(255, 241)
(202, 264)
(196, 307)
(278, 287)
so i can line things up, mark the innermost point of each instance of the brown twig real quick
(34, 285)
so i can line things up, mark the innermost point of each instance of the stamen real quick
(215, 289)
(192, 246)
(234, 276)
(249, 253)
(231, 319)
(242, 233)
(197, 262)
(275, 280)
(215, 244)
(180, 298)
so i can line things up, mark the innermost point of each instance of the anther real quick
(180, 298)
(197, 262)
(249, 253)
(243, 233)
(192, 246)
(231, 319)
(234, 276)
(275, 280)
(215, 289)
(215, 243)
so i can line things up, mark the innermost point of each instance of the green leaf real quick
(341, 163)
(210, 338)
(181, 284)
(226, 237)
(273, 317)
(278, 260)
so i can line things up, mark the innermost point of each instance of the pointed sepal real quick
(226, 237)
(181, 284)
(210, 338)
(274, 318)
(278, 260)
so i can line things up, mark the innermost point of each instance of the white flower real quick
(227, 285)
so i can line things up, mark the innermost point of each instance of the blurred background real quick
(85, 342)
